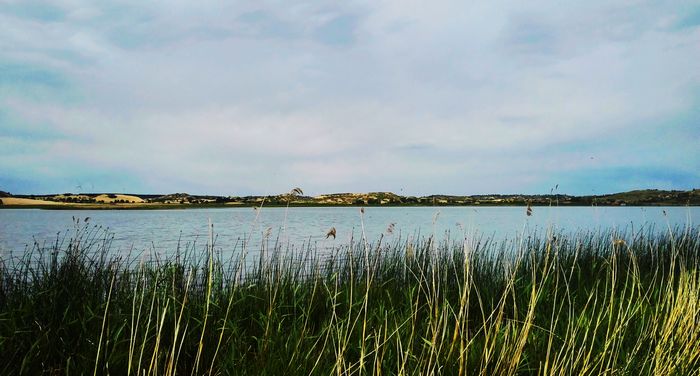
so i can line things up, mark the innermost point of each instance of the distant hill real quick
(645, 197)
(640, 197)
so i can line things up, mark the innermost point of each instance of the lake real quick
(160, 230)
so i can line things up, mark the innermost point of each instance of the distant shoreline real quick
(219, 206)
(121, 201)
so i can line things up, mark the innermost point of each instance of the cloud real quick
(338, 31)
(254, 98)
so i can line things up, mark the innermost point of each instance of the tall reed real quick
(586, 303)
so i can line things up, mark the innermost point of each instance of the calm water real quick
(159, 230)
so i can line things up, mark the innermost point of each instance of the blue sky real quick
(414, 97)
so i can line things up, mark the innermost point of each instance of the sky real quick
(414, 97)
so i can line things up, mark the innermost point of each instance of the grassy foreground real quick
(588, 304)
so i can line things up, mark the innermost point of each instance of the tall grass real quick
(585, 304)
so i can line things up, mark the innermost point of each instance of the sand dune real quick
(101, 199)
(127, 198)
(9, 201)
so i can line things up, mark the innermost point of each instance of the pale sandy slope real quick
(101, 199)
(26, 201)
(127, 198)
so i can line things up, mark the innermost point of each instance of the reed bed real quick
(556, 304)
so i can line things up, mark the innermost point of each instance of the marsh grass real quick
(585, 304)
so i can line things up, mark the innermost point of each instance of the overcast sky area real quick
(418, 98)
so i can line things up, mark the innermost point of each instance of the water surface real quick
(160, 230)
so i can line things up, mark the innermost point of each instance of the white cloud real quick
(203, 95)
